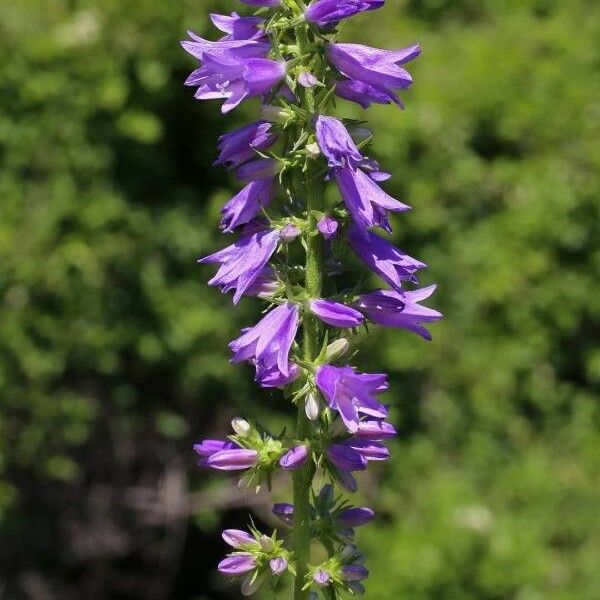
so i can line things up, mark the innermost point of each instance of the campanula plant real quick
(288, 56)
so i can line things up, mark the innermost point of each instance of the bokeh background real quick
(113, 350)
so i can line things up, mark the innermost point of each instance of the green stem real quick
(313, 188)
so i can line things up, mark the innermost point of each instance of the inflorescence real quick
(291, 251)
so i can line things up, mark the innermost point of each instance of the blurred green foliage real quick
(109, 334)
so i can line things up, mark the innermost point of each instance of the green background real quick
(113, 350)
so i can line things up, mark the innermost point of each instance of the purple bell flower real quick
(206, 448)
(336, 314)
(238, 28)
(326, 13)
(269, 342)
(272, 377)
(268, 3)
(255, 170)
(237, 564)
(355, 517)
(328, 227)
(278, 565)
(246, 204)
(367, 202)
(364, 94)
(400, 309)
(352, 393)
(368, 449)
(377, 68)
(284, 512)
(354, 573)
(295, 458)
(335, 142)
(232, 70)
(346, 458)
(243, 262)
(237, 538)
(240, 145)
(376, 430)
(237, 459)
(322, 577)
(384, 259)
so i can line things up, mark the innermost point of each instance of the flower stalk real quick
(287, 253)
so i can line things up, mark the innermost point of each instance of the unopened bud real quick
(274, 114)
(313, 150)
(311, 406)
(266, 543)
(289, 233)
(241, 427)
(337, 349)
(349, 552)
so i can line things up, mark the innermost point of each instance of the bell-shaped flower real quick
(267, 345)
(336, 314)
(294, 458)
(246, 204)
(400, 309)
(352, 394)
(364, 94)
(238, 28)
(241, 145)
(355, 516)
(327, 13)
(383, 258)
(379, 69)
(242, 263)
(237, 564)
(335, 143)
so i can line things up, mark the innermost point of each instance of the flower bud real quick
(313, 150)
(311, 406)
(274, 114)
(241, 427)
(251, 585)
(337, 349)
(289, 233)
(266, 543)
(294, 458)
(278, 565)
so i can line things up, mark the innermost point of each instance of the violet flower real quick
(328, 227)
(367, 202)
(238, 28)
(238, 459)
(336, 314)
(373, 429)
(243, 262)
(379, 69)
(384, 259)
(354, 573)
(269, 342)
(400, 309)
(237, 564)
(278, 565)
(232, 70)
(352, 393)
(364, 94)
(206, 448)
(241, 145)
(255, 170)
(335, 142)
(321, 577)
(326, 13)
(246, 204)
(284, 512)
(346, 458)
(355, 517)
(237, 538)
(294, 458)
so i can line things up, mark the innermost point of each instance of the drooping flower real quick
(352, 393)
(237, 459)
(355, 516)
(237, 564)
(269, 342)
(364, 94)
(400, 309)
(346, 458)
(238, 28)
(255, 170)
(243, 262)
(367, 202)
(378, 69)
(241, 145)
(335, 313)
(335, 142)
(246, 204)
(294, 458)
(237, 538)
(326, 13)
(232, 70)
(383, 258)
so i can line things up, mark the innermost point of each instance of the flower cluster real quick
(289, 251)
